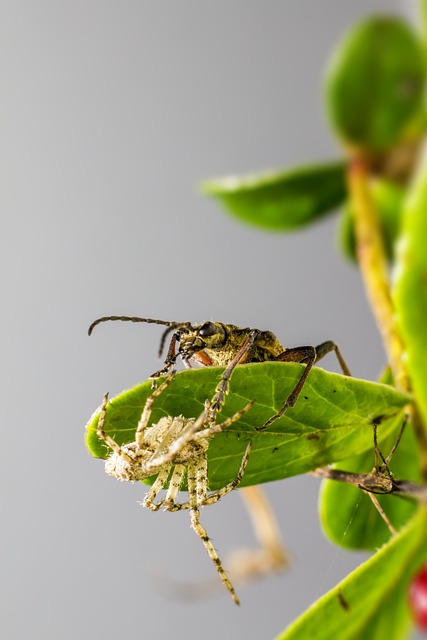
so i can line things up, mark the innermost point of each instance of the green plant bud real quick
(374, 84)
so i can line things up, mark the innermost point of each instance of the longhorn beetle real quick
(215, 343)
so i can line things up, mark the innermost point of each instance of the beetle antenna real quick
(169, 324)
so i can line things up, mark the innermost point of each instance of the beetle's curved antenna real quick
(167, 323)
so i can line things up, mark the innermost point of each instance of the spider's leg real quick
(199, 463)
(200, 467)
(201, 531)
(193, 432)
(160, 457)
(204, 500)
(174, 486)
(222, 388)
(209, 432)
(146, 412)
(105, 437)
(158, 485)
(216, 495)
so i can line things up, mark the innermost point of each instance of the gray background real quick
(114, 111)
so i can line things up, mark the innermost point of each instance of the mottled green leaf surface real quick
(281, 200)
(374, 86)
(332, 418)
(371, 602)
(347, 514)
(410, 294)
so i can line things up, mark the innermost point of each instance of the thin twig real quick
(373, 265)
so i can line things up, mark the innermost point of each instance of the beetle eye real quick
(208, 329)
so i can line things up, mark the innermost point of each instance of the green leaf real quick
(388, 199)
(332, 417)
(372, 601)
(410, 291)
(347, 514)
(375, 82)
(281, 200)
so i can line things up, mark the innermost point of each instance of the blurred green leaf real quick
(331, 419)
(410, 292)
(347, 514)
(371, 602)
(388, 198)
(281, 200)
(375, 83)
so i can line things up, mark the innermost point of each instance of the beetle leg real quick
(169, 361)
(308, 356)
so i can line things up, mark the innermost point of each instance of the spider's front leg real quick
(222, 388)
(194, 431)
(146, 412)
(214, 496)
(158, 485)
(201, 475)
(169, 501)
(162, 456)
(194, 490)
(105, 437)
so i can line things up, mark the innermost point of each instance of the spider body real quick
(171, 449)
(137, 462)
(215, 343)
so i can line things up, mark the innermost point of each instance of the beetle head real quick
(198, 337)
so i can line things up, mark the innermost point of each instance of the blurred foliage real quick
(375, 99)
(282, 200)
(371, 603)
(375, 82)
(410, 293)
(374, 93)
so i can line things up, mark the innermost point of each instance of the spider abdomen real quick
(128, 465)
(168, 430)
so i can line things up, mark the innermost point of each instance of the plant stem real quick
(373, 265)
(423, 22)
